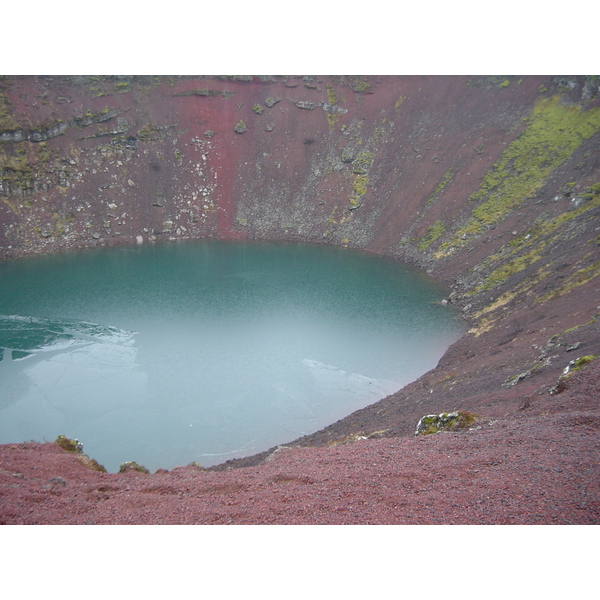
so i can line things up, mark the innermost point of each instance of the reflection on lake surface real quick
(206, 351)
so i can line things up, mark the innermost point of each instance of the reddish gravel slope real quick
(520, 469)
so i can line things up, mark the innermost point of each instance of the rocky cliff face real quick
(492, 184)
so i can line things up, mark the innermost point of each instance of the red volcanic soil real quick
(525, 468)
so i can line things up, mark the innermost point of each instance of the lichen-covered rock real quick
(348, 155)
(68, 444)
(573, 366)
(270, 101)
(240, 127)
(448, 421)
(362, 163)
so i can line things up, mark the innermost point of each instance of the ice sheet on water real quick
(24, 335)
(67, 365)
(334, 379)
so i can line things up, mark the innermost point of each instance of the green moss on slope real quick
(446, 179)
(533, 239)
(433, 233)
(553, 133)
(580, 277)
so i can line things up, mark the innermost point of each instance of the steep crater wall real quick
(491, 184)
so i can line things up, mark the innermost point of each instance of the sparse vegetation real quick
(361, 84)
(554, 131)
(575, 365)
(76, 447)
(145, 132)
(580, 363)
(359, 189)
(433, 233)
(578, 278)
(446, 179)
(362, 163)
(399, 102)
(331, 95)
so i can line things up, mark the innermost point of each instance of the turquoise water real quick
(207, 351)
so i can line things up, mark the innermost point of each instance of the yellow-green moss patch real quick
(578, 278)
(433, 233)
(359, 189)
(446, 179)
(501, 274)
(554, 131)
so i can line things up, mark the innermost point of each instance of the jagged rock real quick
(270, 102)
(517, 378)
(55, 482)
(590, 89)
(304, 104)
(13, 136)
(240, 127)
(333, 109)
(362, 163)
(348, 155)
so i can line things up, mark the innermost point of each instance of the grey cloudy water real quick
(206, 351)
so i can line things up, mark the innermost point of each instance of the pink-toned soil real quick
(525, 468)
